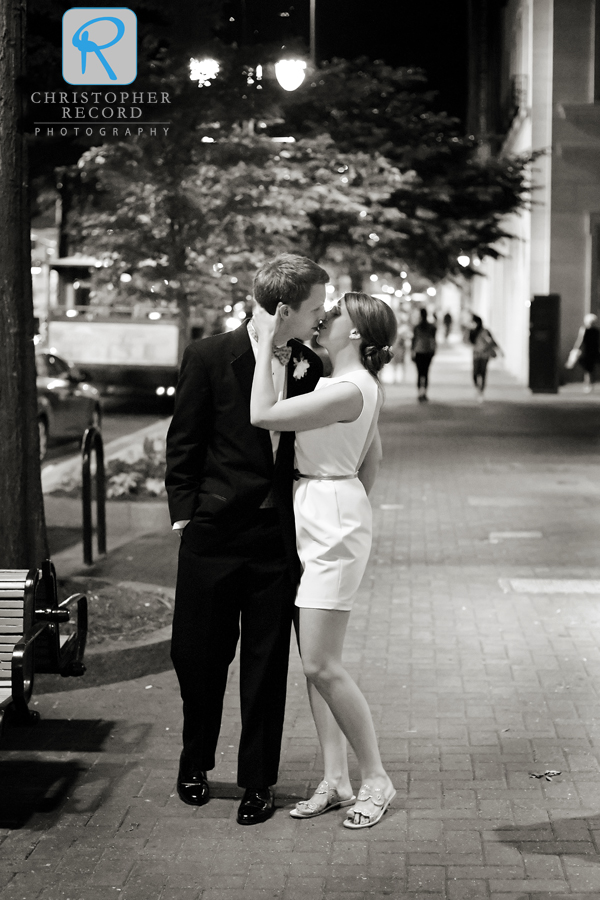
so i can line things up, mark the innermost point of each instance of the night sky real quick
(431, 34)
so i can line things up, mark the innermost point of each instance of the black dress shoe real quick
(256, 806)
(192, 785)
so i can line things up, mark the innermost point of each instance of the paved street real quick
(476, 639)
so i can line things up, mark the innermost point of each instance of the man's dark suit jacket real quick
(220, 467)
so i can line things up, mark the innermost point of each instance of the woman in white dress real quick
(337, 456)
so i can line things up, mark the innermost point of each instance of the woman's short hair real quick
(288, 279)
(376, 323)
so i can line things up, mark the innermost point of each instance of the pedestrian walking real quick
(447, 320)
(423, 350)
(484, 349)
(586, 351)
(400, 351)
(337, 457)
(229, 485)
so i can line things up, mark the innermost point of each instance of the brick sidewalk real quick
(473, 685)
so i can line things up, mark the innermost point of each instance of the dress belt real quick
(298, 475)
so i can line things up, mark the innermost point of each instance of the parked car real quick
(67, 403)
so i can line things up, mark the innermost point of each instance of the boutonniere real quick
(301, 367)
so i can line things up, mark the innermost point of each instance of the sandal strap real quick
(368, 793)
(322, 788)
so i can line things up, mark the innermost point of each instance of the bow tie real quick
(282, 354)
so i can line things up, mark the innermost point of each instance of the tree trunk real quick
(23, 541)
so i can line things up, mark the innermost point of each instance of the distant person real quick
(403, 339)
(423, 350)
(588, 344)
(484, 349)
(447, 320)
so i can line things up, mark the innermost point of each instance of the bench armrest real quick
(21, 685)
(74, 648)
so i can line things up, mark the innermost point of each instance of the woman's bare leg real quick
(333, 744)
(322, 635)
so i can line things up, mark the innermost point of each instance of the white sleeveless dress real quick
(334, 518)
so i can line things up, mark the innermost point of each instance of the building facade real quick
(535, 86)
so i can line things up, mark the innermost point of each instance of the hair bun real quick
(380, 355)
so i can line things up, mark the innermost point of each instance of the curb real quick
(126, 521)
(129, 445)
(115, 661)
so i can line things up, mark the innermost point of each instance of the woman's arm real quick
(579, 338)
(341, 402)
(370, 465)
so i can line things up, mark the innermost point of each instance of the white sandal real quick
(378, 799)
(308, 809)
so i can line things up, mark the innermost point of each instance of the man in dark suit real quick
(230, 495)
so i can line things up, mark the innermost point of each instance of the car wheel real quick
(43, 432)
(97, 418)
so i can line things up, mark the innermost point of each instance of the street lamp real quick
(203, 71)
(290, 73)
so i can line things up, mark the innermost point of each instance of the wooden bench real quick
(30, 637)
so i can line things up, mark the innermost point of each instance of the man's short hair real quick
(287, 278)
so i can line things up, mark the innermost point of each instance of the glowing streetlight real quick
(463, 260)
(203, 71)
(431, 291)
(290, 73)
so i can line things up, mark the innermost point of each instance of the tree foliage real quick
(454, 200)
(181, 231)
(375, 179)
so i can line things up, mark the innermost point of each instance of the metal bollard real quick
(92, 440)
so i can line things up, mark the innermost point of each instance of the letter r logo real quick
(99, 45)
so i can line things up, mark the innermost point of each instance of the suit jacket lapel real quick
(243, 365)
